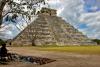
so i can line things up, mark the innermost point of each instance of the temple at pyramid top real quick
(48, 29)
(47, 11)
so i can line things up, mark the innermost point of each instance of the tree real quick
(1, 42)
(16, 7)
(21, 7)
(97, 41)
(2, 4)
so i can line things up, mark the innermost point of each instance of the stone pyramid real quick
(48, 29)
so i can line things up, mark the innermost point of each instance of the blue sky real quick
(92, 5)
(82, 26)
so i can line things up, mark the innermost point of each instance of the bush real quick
(97, 41)
(1, 42)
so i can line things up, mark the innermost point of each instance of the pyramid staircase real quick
(48, 29)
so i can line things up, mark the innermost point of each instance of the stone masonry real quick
(48, 29)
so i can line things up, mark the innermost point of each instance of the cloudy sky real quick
(82, 14)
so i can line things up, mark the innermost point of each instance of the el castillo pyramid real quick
(48, 29)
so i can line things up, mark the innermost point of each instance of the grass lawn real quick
(73, 49)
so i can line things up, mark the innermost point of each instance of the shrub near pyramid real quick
(48, 29)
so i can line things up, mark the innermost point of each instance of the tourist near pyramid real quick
(48, 29)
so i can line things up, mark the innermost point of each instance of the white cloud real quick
(74, 13)
(8, 32)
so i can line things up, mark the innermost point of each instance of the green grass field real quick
(73, 49)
